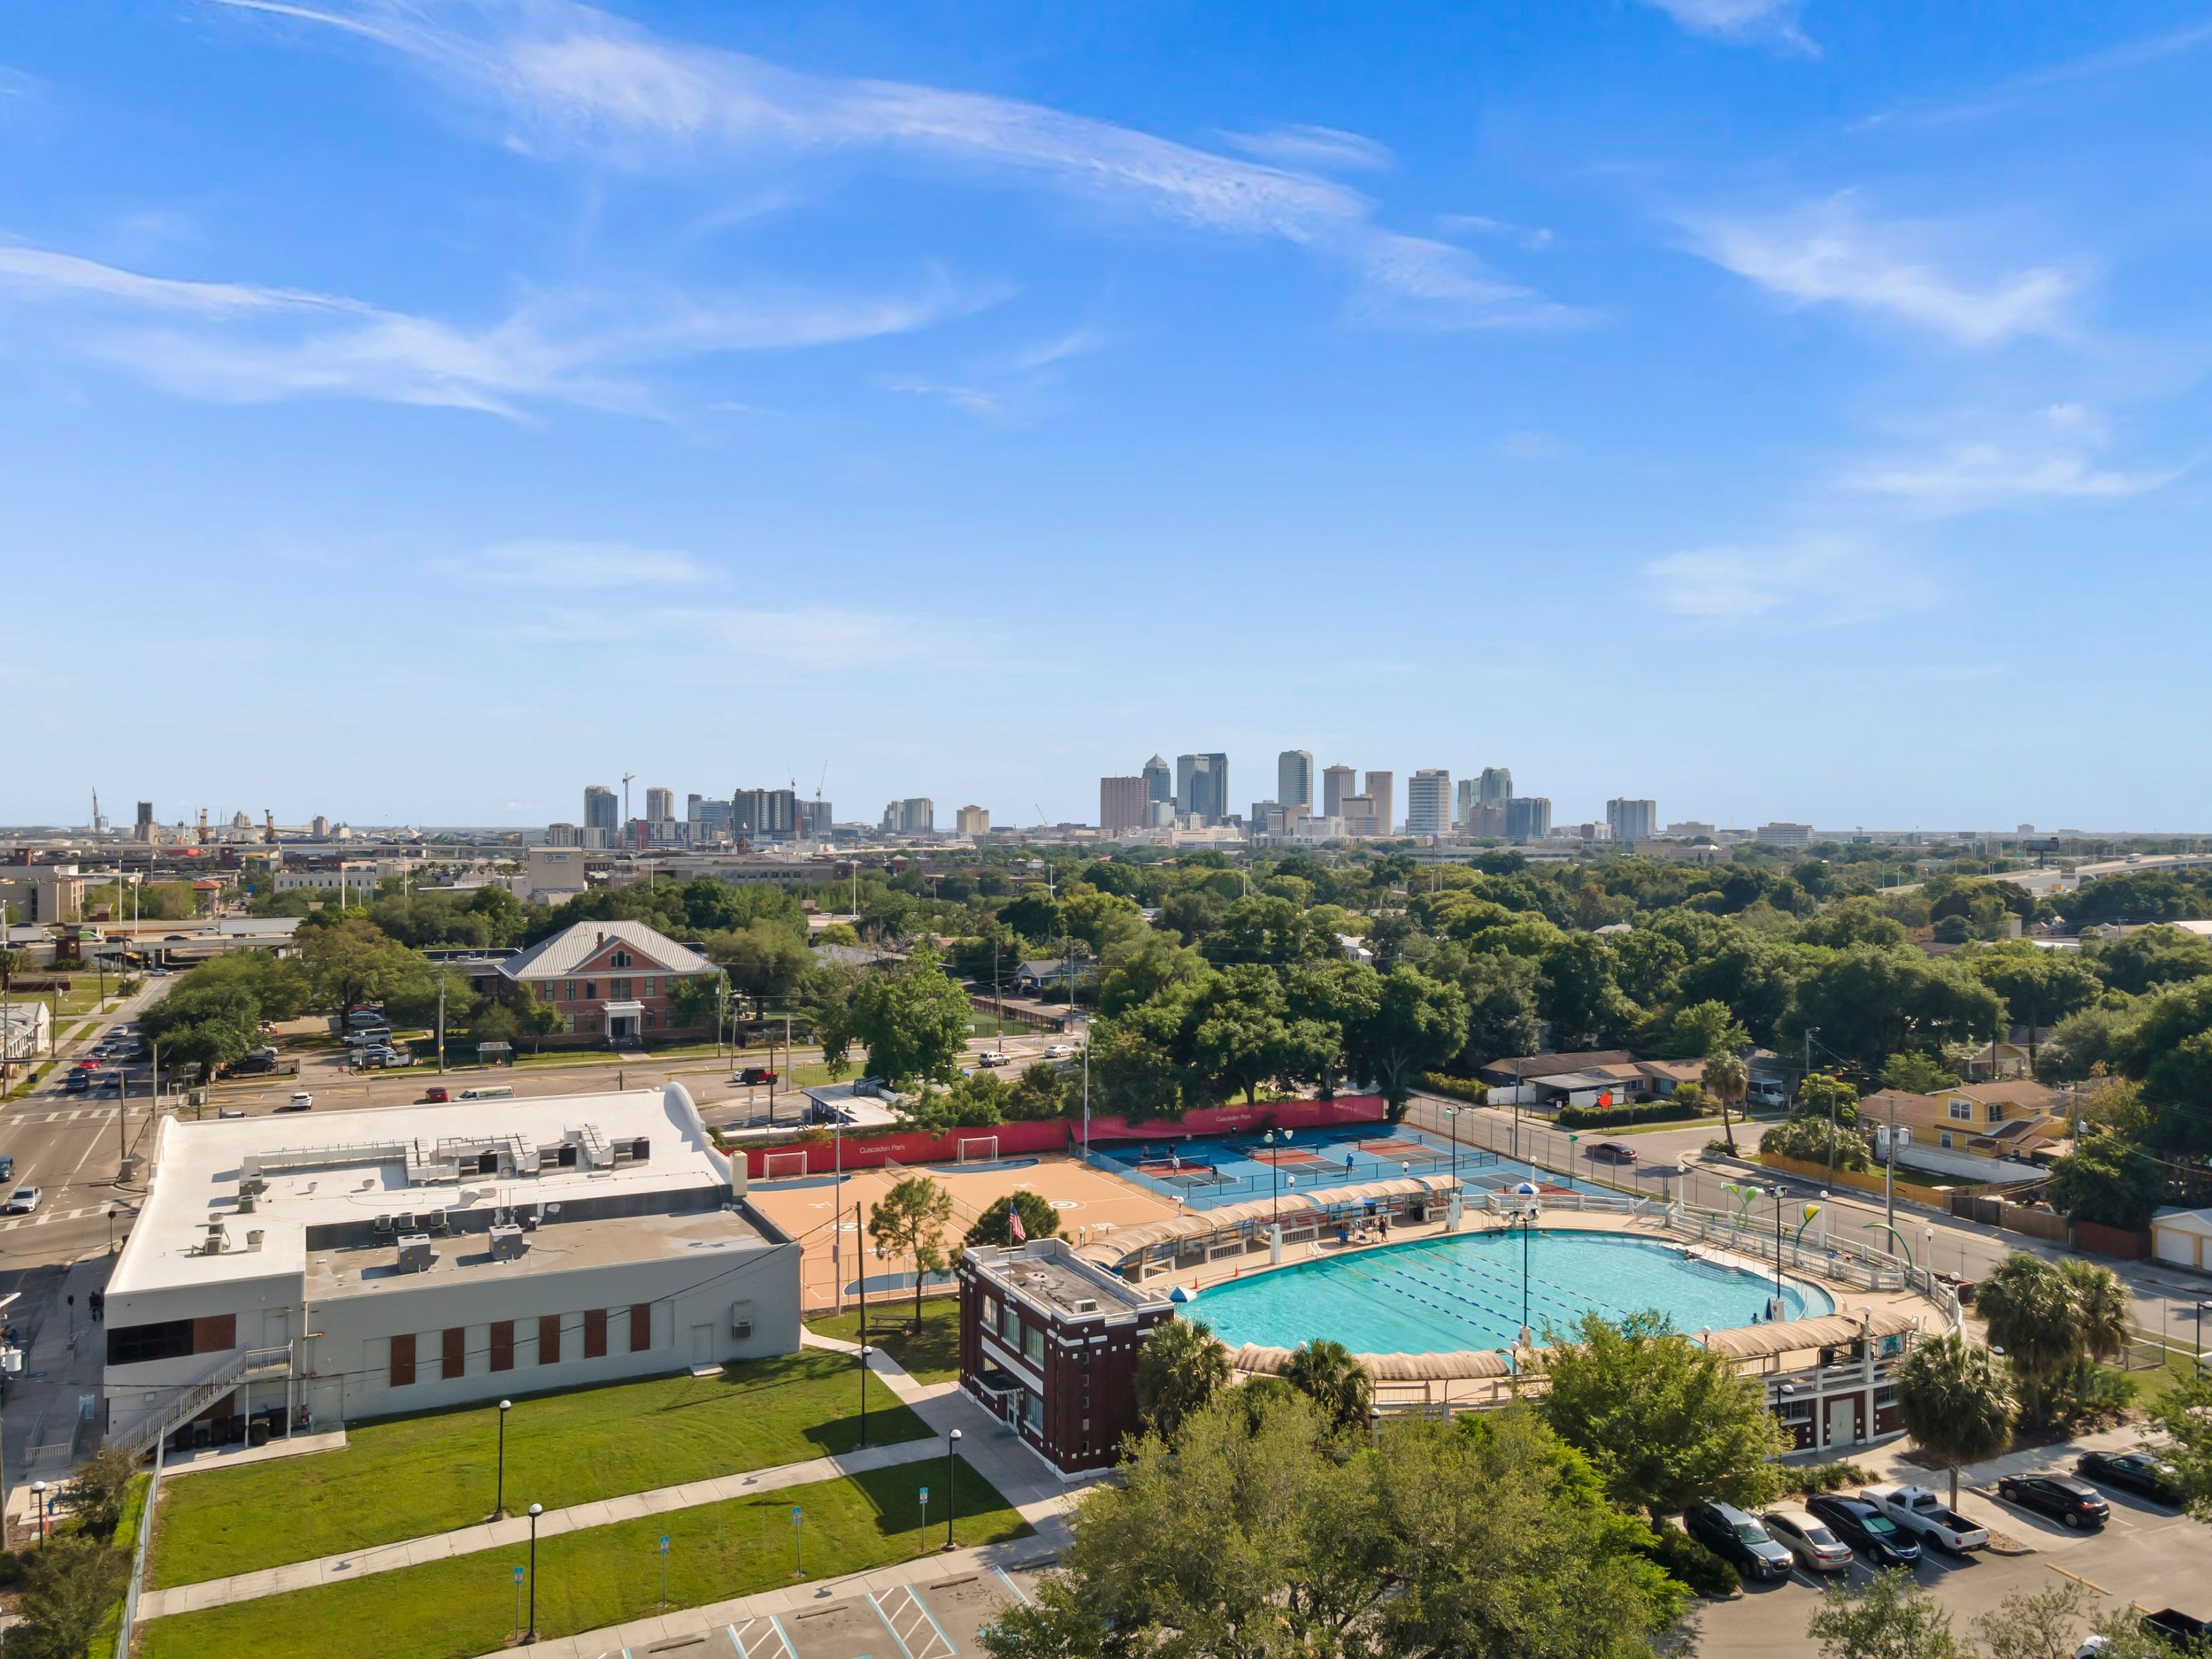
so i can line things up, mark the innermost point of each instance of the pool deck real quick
(1847, 1297)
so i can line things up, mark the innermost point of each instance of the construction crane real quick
(268, 827)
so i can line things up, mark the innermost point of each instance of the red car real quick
(436, 1096)
(1611, 1152)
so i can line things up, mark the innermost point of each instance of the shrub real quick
(1815, 1478)
(2087, 1395)
(1465, 1088)
(1689, 1562)
(1615, 1117)
(1808, 1139)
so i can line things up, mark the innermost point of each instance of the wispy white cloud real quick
(577, 80)
(1314, 150)
(1534, 238)
(2128, 55)
(1773, 22)
(1830, 578)
(1976, 475)
(1532, 446)
(968, 400)
(584, 565)
(252, 343)
(1829, 253)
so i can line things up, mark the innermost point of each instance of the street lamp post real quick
(499, 1497)
(1451, 1118)
(1779, 1194)
(531, 1635)
(865, 1351)
(38, 1492)
(952, 1467)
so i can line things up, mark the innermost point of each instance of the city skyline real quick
(1680, 352)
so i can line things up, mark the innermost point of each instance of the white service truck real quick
(1920, 1512)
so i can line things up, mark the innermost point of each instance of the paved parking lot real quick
(927, 1618)
(2145, 1554)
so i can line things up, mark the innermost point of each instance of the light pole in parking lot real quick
(531, 1635)
(952, 1467)
(499, 1492)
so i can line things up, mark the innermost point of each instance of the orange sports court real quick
(818, 1210)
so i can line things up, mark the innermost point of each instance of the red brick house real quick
(611, 982)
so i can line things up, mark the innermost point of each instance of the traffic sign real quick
(925, 1495)
(518, 1575)
(664, 1543)
(795, 1515)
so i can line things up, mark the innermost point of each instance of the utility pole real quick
(441, 1027)
(1889, 1171)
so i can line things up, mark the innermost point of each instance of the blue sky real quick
(415, 411)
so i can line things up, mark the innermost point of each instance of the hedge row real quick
(1620, 1116)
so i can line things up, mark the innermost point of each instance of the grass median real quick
(932, 1357)
(407, 1477)
(608, 1575)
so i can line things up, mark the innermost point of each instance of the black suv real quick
(1865, 1528)
(2075, 1503)
(1737, 1538)
(2133, 1471)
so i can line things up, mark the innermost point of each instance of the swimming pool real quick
(1463, 1291)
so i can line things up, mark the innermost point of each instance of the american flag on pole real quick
(1014, 1225)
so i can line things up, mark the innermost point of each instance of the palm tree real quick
(2100, 1304)
(1955, 1402)
(1181, 1366)
(1726, 1078)
(2033, 1317)
(1325, 1372)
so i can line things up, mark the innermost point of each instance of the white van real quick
(488, 1091)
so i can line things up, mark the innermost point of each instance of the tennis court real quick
(1200, 1172)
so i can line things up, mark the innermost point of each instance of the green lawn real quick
(932, 1357)
(2153, 1385)
(406, 1477)
(604, 1576)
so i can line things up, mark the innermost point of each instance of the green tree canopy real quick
(1955, 1401)
(1413, 1024)
(909, 1221)
(1664, 1422)
(1326, 1373)
(1702, 1030)
(1180, 1368)
(913, 1021)
(995, 1225)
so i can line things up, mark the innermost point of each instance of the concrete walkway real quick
(988, 1446)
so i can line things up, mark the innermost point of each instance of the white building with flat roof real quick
(316, 1268)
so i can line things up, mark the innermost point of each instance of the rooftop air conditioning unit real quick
(1087, 1304)
(415, 1254)
(508, 1243)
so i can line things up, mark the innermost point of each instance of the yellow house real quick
(1980, 1119)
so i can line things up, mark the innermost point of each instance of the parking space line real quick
(2063, 1573)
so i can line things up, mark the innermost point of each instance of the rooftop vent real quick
(1085, 1304)
(415, 1254)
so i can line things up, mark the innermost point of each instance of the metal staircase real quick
(194, 1398)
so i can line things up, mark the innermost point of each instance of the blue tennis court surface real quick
(1206, 1170)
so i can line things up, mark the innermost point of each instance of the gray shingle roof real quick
(564, 951)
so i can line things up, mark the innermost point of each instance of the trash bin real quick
(257, 1432)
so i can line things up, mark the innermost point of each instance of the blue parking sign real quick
(518, 1575)
(664, 1543)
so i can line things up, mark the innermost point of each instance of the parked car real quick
(2133, 1471)
(1737, 1538)
(21, 1201)
(436, 1096)
(2075, 1504)
(1920, 1511)
(1059, 1051)
(1866, 1529)
(1611, 1152)
(991, 1057)
(230, 1111)
(301, 1100)
(7, 1169)
(1817, 1548)
(2179, 1630)
(752, 1076)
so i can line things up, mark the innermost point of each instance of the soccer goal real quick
(782, 1166)
(979, 1148)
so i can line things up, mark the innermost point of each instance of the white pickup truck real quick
(1919, 1512)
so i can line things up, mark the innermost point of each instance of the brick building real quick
(1049, 1342)
(612, 982)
